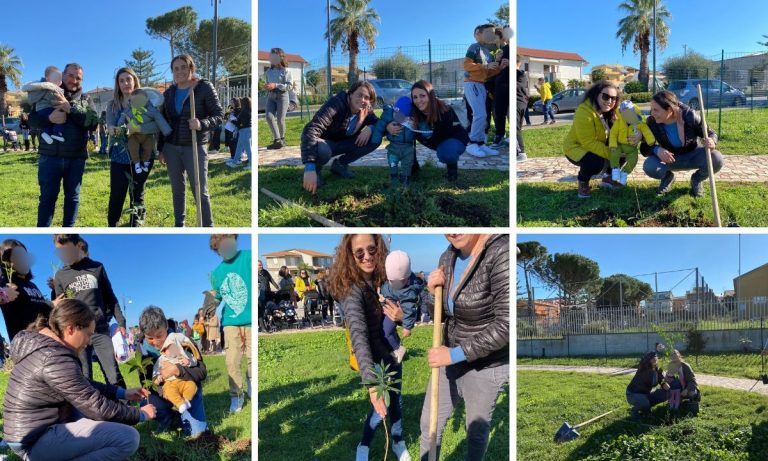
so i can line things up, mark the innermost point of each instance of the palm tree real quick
(636, 27)
(10, 67)
(353, 22)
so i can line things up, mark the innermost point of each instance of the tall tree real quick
(637, 28)
(690, 65)
(173, 26)
(233, 44)
(622, 290)
(10, 69)
(532, 259)
(501, 16)
(353, 22)
(576, 276)
(144, 65)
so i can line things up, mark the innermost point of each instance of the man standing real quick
(64, 161)
(85, 279)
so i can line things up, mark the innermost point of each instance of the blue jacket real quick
(118, 147)
(406, 136)
(408, 298)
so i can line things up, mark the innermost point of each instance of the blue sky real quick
(170, 271)
(716, 256)
(589, 27)
(403, 23)
(98, 34)
(424, 250)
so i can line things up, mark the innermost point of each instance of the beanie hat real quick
(398, 268)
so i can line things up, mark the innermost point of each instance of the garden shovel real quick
(566, 433)
(705, 132)
(437, 341)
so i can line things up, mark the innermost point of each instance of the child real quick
(630, 123)
(43, 96)
(178, 350)
(545, 90)
(403, 287)
(675, 386)
(141, 145)
(479, 67)
(401, 149)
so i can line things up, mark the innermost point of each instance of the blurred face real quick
(20, 260)
(181, 71)
(660, 114)
(78, 338)
(654, 362)
(126, 83)
(364, 249)
(68, 253)
(227, 248)
(607, 99)
(463, 242)
(73, 78)
(261, 266)
(156, 338)
(359, 100)
(420, 99)
(274, 59)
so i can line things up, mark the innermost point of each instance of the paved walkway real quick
(738, 384)
(291, 156)
(737, 168)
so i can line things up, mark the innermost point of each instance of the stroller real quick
(312, 312)
(10, 137)
(280, 311)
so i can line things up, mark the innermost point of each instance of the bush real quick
(596, 327)
(634, 87)
(638, 98)
(532, 99)
(557, 86)
(339, 86)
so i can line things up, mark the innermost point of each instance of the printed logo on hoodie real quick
(234, 292)
(84, 282)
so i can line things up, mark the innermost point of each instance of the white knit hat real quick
(398, 267)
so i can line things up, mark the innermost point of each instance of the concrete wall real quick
(631, 343)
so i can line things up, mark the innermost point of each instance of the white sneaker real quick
(616, 174)
(362, 453)
(47, 138)
(145, 167)
(57, 138)
(185, 406)
(236, 405)
(475, 150)
(623, 178)
(400, 353)
(137, 167)
(214, 151)
(488, 151)
(401, 451)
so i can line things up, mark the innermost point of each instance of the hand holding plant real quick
(381, 384)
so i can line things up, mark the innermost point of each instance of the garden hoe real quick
(713, 190)
(566, 433)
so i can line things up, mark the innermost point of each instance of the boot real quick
(453, 172)
(585, 191)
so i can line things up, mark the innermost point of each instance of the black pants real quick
(520, 117)
(590, 165)
(101, 343)
(215, 139)
(501, 107)
(231, 141)
(120, 178)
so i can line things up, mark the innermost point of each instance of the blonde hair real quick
(117, 93)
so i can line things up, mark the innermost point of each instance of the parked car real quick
(389, 90)
(293, 101)
(686, 92)
(567, 100)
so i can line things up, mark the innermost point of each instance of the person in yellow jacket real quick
(302, 283)
(587, 143)
(627, 126)
(545, 91)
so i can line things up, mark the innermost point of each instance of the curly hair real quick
(593, 93)
(345, 273)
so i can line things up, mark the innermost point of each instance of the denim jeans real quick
(695, 160)
(51, 173)
(193, 421)
(450, 150)
(547, 108)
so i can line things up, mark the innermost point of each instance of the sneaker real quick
(697, 185)
(522, 156)
(137, 167)
(585, 191)
(616, 174)
(401, 451)
(545, 122)
(340, 169)
(145, 167)
(666, 183)
(236, 405)
(185, 406)
(47, 138)
(489, 152)
(623, 178)
(362, 453)
(277, 144)
(57, 138)
(400, 353)
(552, 122)
(475, 150)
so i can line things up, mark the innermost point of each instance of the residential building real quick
(552, 65)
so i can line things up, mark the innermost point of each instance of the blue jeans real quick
(51, 173)
(546, 106)
(694, 160)
(449, 150)
(193, 421)
(244, 143)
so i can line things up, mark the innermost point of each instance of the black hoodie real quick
(23, 310)
(87, 281)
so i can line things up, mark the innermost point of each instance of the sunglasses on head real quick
(607, 97)
(360, 252)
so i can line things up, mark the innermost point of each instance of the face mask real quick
(274, 59)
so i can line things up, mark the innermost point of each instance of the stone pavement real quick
(737, 168)
(738, 384)
(291, 156)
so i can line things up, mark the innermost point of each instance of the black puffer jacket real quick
(207, 110)
(75, 129)
(447, 127)
(693, 129)
(47, 384)
(330, 122)
(480, 321)
(646, 377)
(365, 317)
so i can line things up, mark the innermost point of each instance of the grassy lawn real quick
(230, 191)
(556, 204)
(742, 133)
(234, 431)
(480, 198)
(731, 425)
(746, 365)
(312, 406)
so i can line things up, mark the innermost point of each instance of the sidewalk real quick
(737, 384)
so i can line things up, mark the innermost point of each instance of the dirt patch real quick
(473, 215)
(667, 218)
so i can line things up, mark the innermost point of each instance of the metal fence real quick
(555, 323)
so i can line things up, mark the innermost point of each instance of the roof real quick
(100, 89)
(550, 54)
(764, 266)
(295, 252)
(264, 56)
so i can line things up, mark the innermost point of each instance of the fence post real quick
(303, 95)
(429, 45)
(720, 110)
(762, 357)
(455, 83)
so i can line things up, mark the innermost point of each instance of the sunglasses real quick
(607, 98)
(360, 252)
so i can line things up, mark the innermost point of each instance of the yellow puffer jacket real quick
(545, 90)
(302, 287)
(588, 134)
(621, 130)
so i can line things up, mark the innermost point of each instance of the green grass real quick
(230, 191)
(742, 133)
(312, 406)
(479, 199)
(731, 425)
(171, 446)
(746, 365)
(556, 204)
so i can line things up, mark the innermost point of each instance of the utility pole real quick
(215, 38)
(654, 46)
(328, 71)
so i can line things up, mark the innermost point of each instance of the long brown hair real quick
(281, 53)
(345, 273)
(593, 93)
(117, 93)
(666, 100)
(436, 106)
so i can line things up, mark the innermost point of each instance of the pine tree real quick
(144, 65)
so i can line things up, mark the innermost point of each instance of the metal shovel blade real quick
(566, 433)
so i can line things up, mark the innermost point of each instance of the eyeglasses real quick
(607, 97)
(360, 252)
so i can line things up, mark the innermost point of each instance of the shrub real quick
(557, 86)
(596, 327)
(634, 87)
(638, 98)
